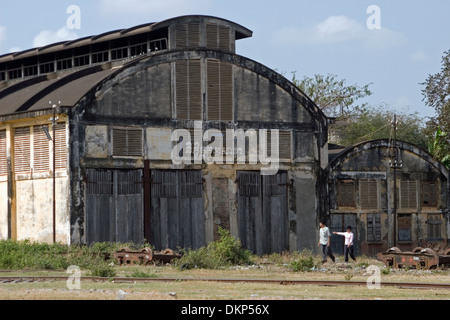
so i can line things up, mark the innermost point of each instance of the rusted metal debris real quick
(145, 256)
(425, 258)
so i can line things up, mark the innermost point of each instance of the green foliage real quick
(376, 124)
(302, 264)
(25, 254)
(333, 96)
(142, 274)
(103, 270)
(436, 94)
(439, 145)
(227, 251)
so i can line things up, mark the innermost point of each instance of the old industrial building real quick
(392, 193)
(110, 133)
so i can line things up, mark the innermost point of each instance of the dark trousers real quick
(347, 251)
(326, 251)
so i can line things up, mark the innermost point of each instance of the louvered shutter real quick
(187, 35)
(346, 193)
(22, 148)
(408, 194)
(41, 149)
(373, 227)
(127, 142)
(368, 195)
(429, 194)
(284, 143)
(189, 90)
(3, 156)
(220, 90)
(285, 146)
(218, 37)
(61, 146)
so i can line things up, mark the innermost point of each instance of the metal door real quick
(262, 212)
(339, 223)
(177, 216)
(114, 206)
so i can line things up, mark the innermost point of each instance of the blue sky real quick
(306, 37)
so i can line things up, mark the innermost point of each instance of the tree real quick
(436, 94)
(333, 96)
(377, 123)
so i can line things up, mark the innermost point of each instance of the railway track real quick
(332, 283)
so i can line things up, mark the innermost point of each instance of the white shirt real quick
(324, 234)
(348, 237)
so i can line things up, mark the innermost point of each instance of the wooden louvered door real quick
(114, 206)
(177, 215)
(262, 212)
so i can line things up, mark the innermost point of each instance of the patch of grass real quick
(18, 255)
(225, 252)
(137, 273)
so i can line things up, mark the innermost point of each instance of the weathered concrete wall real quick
(3, 210)
(259, 99)
(306, 215)
(35, 210)
(143, 94)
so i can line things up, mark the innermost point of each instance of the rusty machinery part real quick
(145, 256)
(393, 250)
(418, 258)
(168, 251)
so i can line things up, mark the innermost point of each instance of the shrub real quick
(103, 271)
(303, 264)
(225, 252)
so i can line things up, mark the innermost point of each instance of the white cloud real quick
(419, 56)
(14, 49)
(341, 29)
(152, 8)
(46, 37)
(2, 37)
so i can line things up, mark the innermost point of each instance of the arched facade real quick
(393, 194)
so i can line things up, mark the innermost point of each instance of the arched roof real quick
(385, 143)
(70, 87)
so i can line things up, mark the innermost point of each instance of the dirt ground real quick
(203, 290)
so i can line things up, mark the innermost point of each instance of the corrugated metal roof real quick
(68, 89)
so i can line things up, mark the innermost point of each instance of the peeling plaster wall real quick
(35, 210)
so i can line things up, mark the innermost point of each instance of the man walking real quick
(325, 242)
(348, 249)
